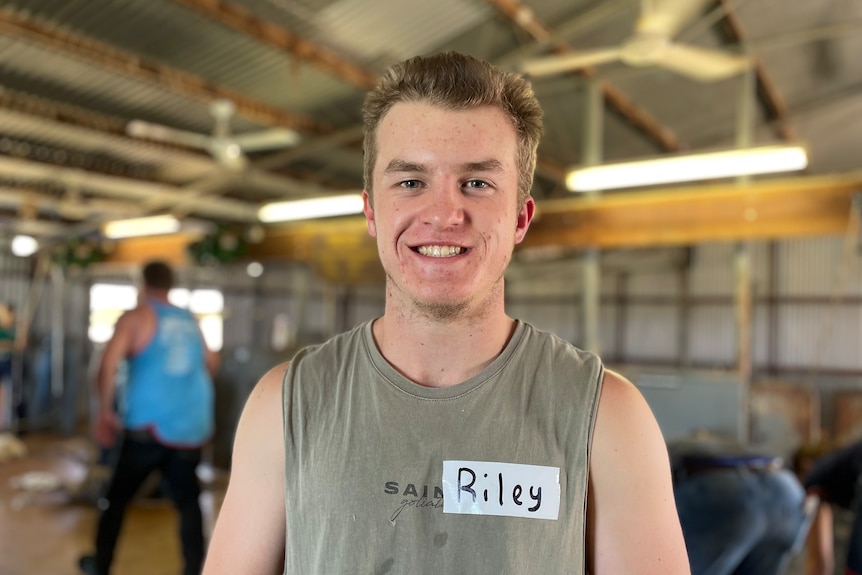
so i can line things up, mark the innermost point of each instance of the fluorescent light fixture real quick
(24, 246)
(149, 226)
(689, 167)
(311, 208)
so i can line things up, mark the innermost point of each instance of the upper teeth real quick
(440, 251)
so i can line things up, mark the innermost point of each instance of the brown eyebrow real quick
(398, 166)
(483, 166)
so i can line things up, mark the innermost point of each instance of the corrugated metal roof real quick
(818, 76)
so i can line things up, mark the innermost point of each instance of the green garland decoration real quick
(79, 253)
(225, 245)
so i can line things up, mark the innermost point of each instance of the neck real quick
(157, 294)
(438, 353)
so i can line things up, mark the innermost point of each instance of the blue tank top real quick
(169, 391)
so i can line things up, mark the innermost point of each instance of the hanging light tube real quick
(148, 226)
(311, 208)
(688, 167)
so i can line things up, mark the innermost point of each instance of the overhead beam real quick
(522, 16)
(172, 248)
(342, 251)
(60, 112)
(108, 57)
(69, 208)
(768, 209)
(149, 193)
(768, 95)
(240, 19)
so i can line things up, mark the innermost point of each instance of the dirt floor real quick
(48, 514)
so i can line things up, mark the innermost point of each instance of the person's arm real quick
(632, 522)
(212, 358)
(22, 328)
(250, 528)
(116, 350)
(821, 557)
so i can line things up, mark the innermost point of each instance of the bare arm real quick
(118, 348)
(250, 530)
(632, 524)
(212, 358)
(821, 543)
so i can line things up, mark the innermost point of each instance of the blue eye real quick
(476, 184)
(410, 184)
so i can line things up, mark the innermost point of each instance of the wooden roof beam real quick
(240, 19)
(770, 99)
(131, 65)
(764, 209)
(61, 112)
(521, 15)
(342, 251)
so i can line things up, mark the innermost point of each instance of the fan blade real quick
(702, 64)
(666, 18)
(266, 139)
(160, 133)
(551, 65)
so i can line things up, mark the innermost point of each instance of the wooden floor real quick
(44, 532)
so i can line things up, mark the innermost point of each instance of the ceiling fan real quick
(228, 149)
(651, 44)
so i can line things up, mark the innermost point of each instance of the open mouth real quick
(435, 251)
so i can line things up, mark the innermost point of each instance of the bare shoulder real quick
(271, 381)
(132, 316)
(622, 407)
(625, 427)
(250, 530)
(265, 398)
(258, 443)
(632, 517)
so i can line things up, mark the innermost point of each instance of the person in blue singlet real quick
(165, 418)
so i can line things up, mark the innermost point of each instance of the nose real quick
(445, 206)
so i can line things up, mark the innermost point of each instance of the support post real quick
(590, 259)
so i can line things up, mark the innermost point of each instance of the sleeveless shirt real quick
(169, 391)
(365, 450)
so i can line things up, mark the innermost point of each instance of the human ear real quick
(368, 210)
(525, 216)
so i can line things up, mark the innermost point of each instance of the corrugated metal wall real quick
(675, 309)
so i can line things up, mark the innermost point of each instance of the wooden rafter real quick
(681, 216)
(761, 210)
(519, 14)
(239, 18)
(60, 112)
(773, 104)
(108, 57)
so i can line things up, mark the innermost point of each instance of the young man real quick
(165, 418)
(445, 436)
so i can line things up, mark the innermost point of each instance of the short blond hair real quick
(456, 81)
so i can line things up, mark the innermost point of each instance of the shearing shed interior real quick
(734, 304)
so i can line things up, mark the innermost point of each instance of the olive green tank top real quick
(486, 477)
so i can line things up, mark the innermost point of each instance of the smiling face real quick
(445, 208)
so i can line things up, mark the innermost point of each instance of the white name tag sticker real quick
(508, 489)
